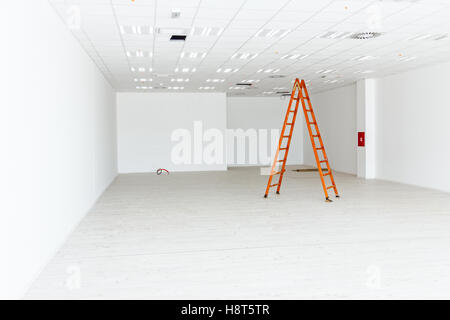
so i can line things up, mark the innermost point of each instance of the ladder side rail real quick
(280, 142)
(322, 145)
(316, 154)
(291, 131)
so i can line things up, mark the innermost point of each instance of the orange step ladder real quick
(300, 93)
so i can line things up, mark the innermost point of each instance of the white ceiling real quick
(242, 47)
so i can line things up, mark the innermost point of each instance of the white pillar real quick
(367, 92)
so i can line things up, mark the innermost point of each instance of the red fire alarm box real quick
(361, 139)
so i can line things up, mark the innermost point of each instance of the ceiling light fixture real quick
(143, 88)
(206, 31)
(179, 80)
(250, 81)
(136, 30)
(268, 70)
(143, 80)
(139, 54)
(429, 37)
(244, 56)
(325, 71)
(141, 69)
(272, 33)
(175, 88)
(295, 56)
(193, 55)
(215, 80)
(228, 70)
(364, 58)
(185, 70)
(336, 35)
(207, 88)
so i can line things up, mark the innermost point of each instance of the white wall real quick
(413, 131)
(265, 113)
(146, 122)
(335, 111)
(60, 138)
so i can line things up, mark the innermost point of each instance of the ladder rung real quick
(282, 160)
(330, 187)
(273, 185)
(316, 135)
(290, 123)
(320, 148)
(308, 110)
(286, 136)
(283, 148)
(278, 172)
(324, 161)
(310, 123)
(291, 110)
(326, 174)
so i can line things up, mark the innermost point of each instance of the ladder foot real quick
(265, 196)
(338, 196)
(278, 192)
(328, 200)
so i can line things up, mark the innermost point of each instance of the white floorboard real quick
(212, 235)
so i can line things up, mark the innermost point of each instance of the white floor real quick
(213, 236)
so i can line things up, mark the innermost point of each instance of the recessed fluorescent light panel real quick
(244, 56)
(237, 88)
(215, 80)
(250, 81)
(143, 80)
(207, 88)
(336, 35)
(176, 88)
(227, 70)
(429, 37)
(185, 70)
(141, 69)
(364, 58)
(365, 71)
(295, 56)
(139, 54)
(193, 55)
(143, 88)
(272, 33)
(325, 71)
(268, 70)
(406, 58)
(179, 80)
(206, 31)
(136, 30)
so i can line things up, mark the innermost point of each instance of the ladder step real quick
(324, 161)
(320, 148)
(286, 136)
(308, 110)
(273, 185)
(290, 123)
(283, 148)
(316, 135)
(279, 172)
(326, 174)
(282, 160)
(330, 187)
(310, 123)
(291, 110)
